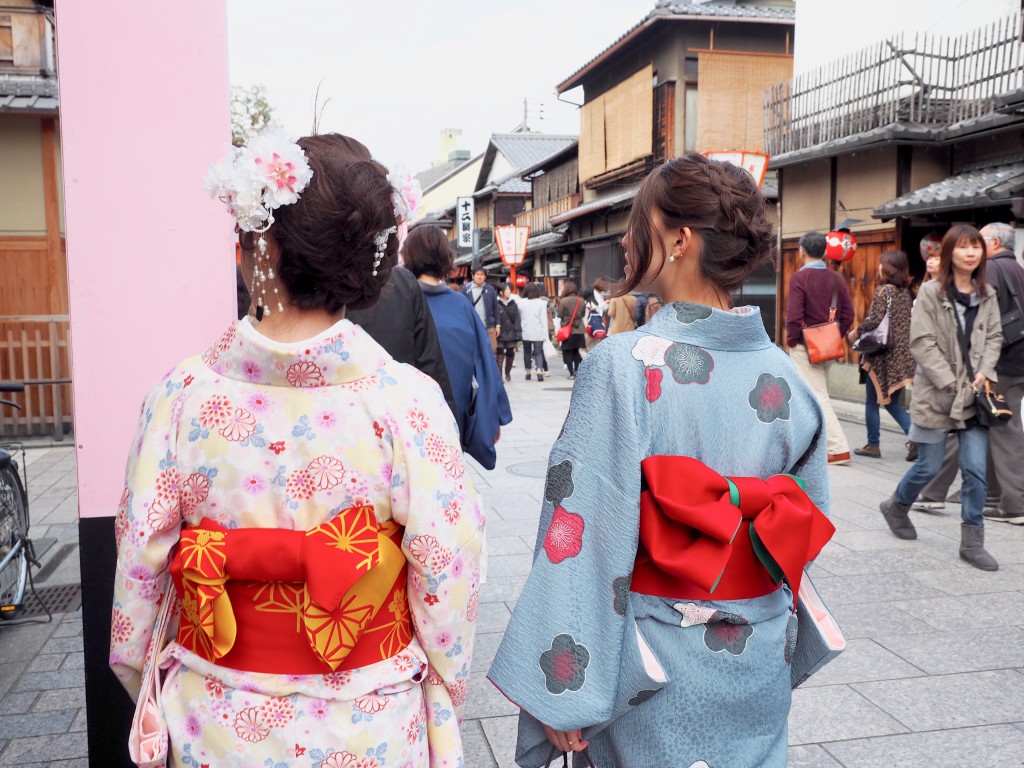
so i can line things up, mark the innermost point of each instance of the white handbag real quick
(147, 741)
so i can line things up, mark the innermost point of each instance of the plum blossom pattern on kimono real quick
(770, 398)
(613, 660)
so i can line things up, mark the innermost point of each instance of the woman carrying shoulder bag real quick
(958, 300)
(889, 371)
(570, 313)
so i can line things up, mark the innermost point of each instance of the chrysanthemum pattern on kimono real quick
(256, 434)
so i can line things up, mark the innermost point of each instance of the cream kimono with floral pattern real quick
(267, 435)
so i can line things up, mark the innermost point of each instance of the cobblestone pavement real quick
(933, 675)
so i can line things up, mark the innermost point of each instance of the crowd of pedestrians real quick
(957, 340)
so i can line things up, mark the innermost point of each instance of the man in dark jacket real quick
(810, 297)
(1006, 440)
(400, 322)
(485, 301)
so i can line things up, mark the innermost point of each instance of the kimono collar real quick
(342, 353)
(739, 330)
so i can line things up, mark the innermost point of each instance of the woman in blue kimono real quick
(481, 403)
(656, 628)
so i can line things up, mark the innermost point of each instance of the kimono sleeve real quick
(570, 657)
(444, 525)
(492, 409)
(147, 529)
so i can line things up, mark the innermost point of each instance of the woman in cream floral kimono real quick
(304, 495)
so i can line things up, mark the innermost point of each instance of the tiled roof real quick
(973, 189)
(510, 185)
(524, 150)
(544, 240)
(732, 10)
(595, 205)
(716, 10)
(29, 104)
(26, 95)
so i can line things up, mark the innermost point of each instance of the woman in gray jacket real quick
(943, 397)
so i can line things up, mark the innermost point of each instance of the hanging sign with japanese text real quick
(464, 221)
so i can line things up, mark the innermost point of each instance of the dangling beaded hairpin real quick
(268, 171)
(380, 242)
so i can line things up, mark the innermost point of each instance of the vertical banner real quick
(150, 259)
(464, 221)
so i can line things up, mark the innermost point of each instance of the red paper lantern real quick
(522, 280)
(840, 245)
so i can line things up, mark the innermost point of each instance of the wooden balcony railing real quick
(916, 79)
(539, 219)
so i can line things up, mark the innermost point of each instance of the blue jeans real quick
(973, 456)
(872, 416)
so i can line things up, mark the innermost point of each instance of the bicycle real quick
(15, 546)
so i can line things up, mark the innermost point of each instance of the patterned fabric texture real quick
(651, 680)
(257, 434)
(893, 369)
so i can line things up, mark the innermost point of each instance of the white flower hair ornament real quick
(268, 171)
(406, 197)
(408, 192)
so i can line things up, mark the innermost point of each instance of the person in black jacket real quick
(511, 333)
(400, 322)
(1006, 439)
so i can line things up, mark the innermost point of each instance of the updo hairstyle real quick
(326, 238)
(427, 251)
(720, 201)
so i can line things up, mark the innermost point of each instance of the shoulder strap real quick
(835, 297)
(573, 320)
(963, 341)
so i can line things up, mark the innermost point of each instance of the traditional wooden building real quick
(687, 77)
(33, 290)
(903, 138)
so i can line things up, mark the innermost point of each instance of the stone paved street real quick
(933, 675)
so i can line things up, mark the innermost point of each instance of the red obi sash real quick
(294, 602)
(708, 537)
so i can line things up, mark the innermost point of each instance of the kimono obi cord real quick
(708, 537)
(294, 602)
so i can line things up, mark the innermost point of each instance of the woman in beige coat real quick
(943, 394)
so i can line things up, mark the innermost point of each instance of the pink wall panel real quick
(144, 109)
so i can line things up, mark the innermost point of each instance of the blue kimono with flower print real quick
(656, 681)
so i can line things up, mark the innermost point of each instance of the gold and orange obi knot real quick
(294, 602)
(708, 537)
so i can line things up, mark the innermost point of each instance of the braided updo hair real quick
(326, 238)
(717, 199)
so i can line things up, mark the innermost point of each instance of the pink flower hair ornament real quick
(268, 171)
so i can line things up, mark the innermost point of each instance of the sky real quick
(394, 74)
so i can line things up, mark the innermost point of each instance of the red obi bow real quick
(334, 577)
(692, 523)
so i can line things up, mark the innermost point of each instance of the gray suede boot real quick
(897, 516)
(972, 548)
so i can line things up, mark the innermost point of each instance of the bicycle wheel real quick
(13, 558)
